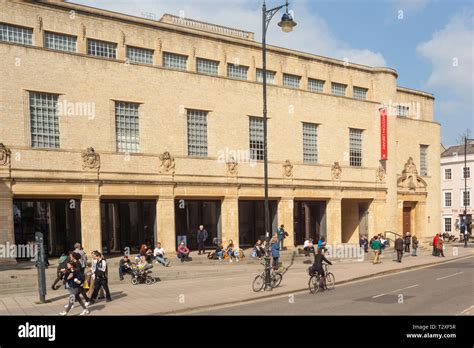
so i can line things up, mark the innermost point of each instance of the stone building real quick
(117, 130)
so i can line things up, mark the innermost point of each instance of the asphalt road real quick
(445, 289)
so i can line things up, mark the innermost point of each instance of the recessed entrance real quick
(309, 221)
(252, 221)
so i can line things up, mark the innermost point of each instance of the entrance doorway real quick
(364, 219)
(309, 221)
(407, 219)
(252, 221)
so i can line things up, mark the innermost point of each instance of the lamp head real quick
(287, 23)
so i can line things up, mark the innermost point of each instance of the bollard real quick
(41, 266)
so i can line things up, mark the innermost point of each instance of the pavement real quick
(212, 285)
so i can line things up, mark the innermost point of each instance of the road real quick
(445, 289)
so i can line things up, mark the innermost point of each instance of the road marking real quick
(451, 275)
(408, 287)
(467, 310)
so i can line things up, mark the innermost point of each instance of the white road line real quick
(451, 275)
(408, 287)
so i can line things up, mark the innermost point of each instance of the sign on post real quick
(41, 266)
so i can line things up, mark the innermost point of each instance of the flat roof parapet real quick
(212, 28)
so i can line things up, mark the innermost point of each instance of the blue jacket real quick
(275, 250)
(202, 235)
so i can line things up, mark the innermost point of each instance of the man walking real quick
(375, 245)
(99, 269)
(399, 248)
(201, 239)
(281, 233)
(407, 242)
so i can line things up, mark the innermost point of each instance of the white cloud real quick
(312, 34)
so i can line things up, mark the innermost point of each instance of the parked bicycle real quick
(317, 282)
(259, 281)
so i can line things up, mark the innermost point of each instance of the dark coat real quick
(202, 235)
(399, 244)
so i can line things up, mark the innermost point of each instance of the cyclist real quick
(318, 267)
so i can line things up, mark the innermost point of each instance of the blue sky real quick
(429, 42)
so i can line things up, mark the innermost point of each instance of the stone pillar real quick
(307, 221)
(230, 219)
(375, 216)
(6, 220)
(420, 223)
(333, 216)
(91, 233)
(165, 224)
(285, 217)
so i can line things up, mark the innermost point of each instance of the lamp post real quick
(464, 172)
(286, 25)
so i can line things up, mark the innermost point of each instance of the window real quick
(447, 224)
(44, 120)
(60, 42)
(16, 34)
(423, 160)
(237, 71)
(292, 81)
(466, 198)
(315, 85)
(466, 172)
(310, 142)
(338, 89)
(447, 174)
(448, 199)
(139, 55)
(127, 129)
(360, 93)
(270, 76)
(402, 110)
(197, 133)
(208, 67)
(102, 49)
(256, 138)
(175, 61)
(355, 147)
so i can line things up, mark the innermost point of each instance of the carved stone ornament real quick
(167, 163)
(232, 166)
(336, 171)
(288, 169)
(380, 174)
(410, 180)
(84, 31)
(5, 154)
(90, 159)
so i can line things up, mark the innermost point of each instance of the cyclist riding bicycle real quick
(318, 266)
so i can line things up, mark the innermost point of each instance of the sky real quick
(429, 42)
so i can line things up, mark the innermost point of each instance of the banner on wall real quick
(383, 134)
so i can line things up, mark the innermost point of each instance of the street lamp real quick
(464, 171)
(287, 24)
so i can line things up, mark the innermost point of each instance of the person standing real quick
(275, 251)
(414, 242)
(375, 245)
(440, 246)
(83, 260)
(435, 244)
(399, 248)
(101, 279)
(201, 239)
(407, 242)
(281, 233)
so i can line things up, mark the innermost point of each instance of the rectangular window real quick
(127, 130)
(466, 172)
(102, 48)
(355, 147)
(292, 81)
(338, 89)
(447, 224)
(175, 61)
(270, 76)
(140, 55)
(466, 198)
(360, 93)
(447, 174)
(256, 138)
(197, 133)
(206, 66)
(423, 160)
(44, 120)
(448, 202)
(402, 110)
(16, 34)
(310, 142)
(237, 71)
(60, 42)
(315, 85)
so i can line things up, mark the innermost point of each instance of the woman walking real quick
(275, 251)
(73, 281)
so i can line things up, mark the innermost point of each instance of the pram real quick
(142, 275)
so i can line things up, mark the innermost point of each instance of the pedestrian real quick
(435, 244)
(440, 247)
(83, 260)
(414, 242)
(407, 242)
(101, 280)
(183, 252)
(73, 281)
(275, 251)
(90, 277)
(375, 245)
(75, 260)
(159, 255)
(322, 244)
(201, 239)
(466, 237)
(281, 234)
(399, 248)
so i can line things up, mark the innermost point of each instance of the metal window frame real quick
(16, 34)
(140, 55)
(450, 199)
(60, 41)
(335, 91)
(315, 85)
(423, 160)
(256, 138)
(310, 142)
(271, 76)
(355, 147)
(197, 124)
(292, 81)
(127, 126)
(207, 66)
(175, 61)
(359, 93)
(100, 48)
(44, 120)
(239, 72)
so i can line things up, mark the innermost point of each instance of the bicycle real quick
(315, 281)
(259, 281)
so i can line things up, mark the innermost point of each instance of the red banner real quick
(383, 134)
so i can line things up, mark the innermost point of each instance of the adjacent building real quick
(116, 130)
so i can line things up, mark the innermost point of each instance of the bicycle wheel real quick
(276, 279)
(258, 283)
(313, 284)
(330, 281)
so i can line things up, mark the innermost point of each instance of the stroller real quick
(140, 276)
